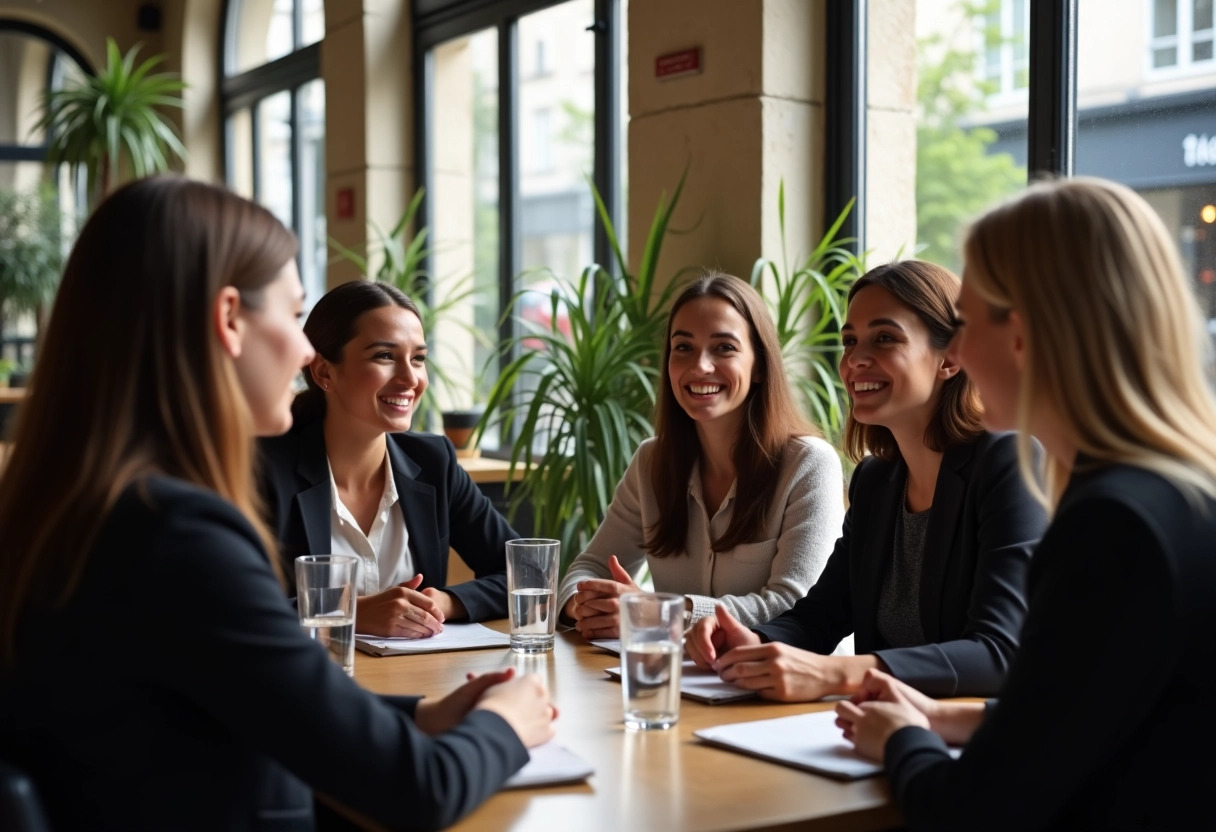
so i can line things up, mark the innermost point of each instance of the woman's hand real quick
(596, 607)
(437, 716)
(716, 635)
(399, 612)
(789, 674)
(881, 707)
(449, 604)
(524, 704)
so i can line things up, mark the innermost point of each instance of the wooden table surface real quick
(660, 780)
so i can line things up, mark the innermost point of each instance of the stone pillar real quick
(751, 118)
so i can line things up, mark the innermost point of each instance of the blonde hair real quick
(132, 380)
(1114, 341)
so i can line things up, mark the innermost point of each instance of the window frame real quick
(1183, 41)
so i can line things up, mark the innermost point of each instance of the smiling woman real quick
(350, 478)
(737, 499)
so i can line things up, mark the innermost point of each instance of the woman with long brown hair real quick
(928, 574)
(134, 560)
(737, 499)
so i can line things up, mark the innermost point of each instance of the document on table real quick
(808, 741)
(549, 765)
(702, 685)
(612, 645)
(453, 637)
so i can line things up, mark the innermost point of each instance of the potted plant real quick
(7, 365)
(579, 402)
(402, 253)
(112, 122)
(31, 251)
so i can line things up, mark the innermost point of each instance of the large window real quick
(274, 119)
(523, 108)
(1181, 33)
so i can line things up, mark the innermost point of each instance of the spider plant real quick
(580, 404)
(808, 307)
(112, 121)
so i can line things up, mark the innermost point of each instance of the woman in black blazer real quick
(152, 674)
(404, 499)
(928, 574)
(1079, 326)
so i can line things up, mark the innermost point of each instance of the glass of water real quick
(532, 585)
(652, 652)
(326, 603)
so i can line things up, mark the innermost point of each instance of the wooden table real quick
(663, 780)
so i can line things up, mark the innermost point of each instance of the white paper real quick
(702, 685)
(808, 741)
(453, 637)
(612, 645)
(550, 764)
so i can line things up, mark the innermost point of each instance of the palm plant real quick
(402, 255)
(586, 399)
(111, 121)
(808, 307)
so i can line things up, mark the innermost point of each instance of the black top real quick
(1105, 720)
(441, 504)
(176, 690)
(898, 621)
(982, 528)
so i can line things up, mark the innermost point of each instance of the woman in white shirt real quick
(736, 500)
(349, 477)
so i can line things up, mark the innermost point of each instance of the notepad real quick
(612, 645)
(453, 637)
(702, 685)
(811, 742)
(549, 765)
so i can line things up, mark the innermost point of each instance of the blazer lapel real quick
(869, 571)
(944, 519)
(313, 501)
(417, 501)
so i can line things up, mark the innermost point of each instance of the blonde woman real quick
(1079, 327)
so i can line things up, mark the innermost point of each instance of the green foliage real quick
(956, 175)
(808, 307)
(31, 249)
(581, 404)
(110, 121)
(402, 253)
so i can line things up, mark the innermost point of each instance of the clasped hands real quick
(403, 611)
(596, 607)
(522, 701)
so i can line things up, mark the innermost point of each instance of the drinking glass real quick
(652, 652)
(326, 603)
(532, 585)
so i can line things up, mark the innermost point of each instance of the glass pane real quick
(464, 217)
(240, 152)
(1159, 141)
(1201, 51)
(964, 141)
(261, 31)
(273, 155)
(556, 142)
(1165, 57)
(310, 107)
(1165, 18)
(25, 66)
(1202, 15)
(312, 23)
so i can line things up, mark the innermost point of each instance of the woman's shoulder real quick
(811, 451)
(159, 503)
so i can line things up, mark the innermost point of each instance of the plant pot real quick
(459, 426)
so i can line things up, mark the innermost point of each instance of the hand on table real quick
(881, 707)
(400, 612)
(596, 607)
(715, 635)
(524, 704)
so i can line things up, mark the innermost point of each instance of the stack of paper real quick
(453, 637)
(702, 685)
(549, 765)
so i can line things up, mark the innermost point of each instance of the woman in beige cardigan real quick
(737, 500)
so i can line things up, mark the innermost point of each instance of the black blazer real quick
(176, 690)
(1105, 720)
(443, 509)
(982, 528)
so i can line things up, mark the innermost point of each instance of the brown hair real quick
(929, 291)
(132, 379)
(770, 420)
(331, 326)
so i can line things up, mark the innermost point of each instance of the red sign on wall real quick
(344, 203)
(677, 64)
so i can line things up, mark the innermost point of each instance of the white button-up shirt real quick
(384, 552)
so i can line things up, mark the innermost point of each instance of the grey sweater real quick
(755, 581)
